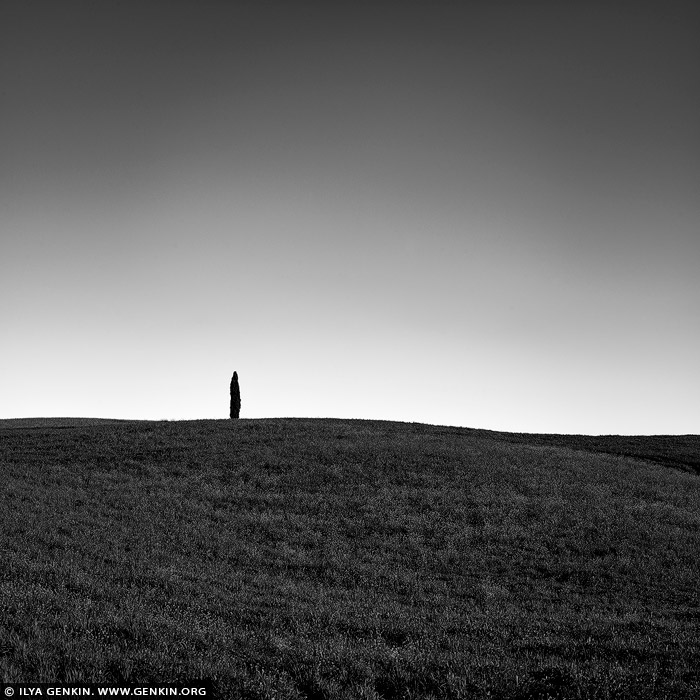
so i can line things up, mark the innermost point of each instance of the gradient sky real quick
(481, 214)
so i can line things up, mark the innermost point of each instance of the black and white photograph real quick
(349, 349)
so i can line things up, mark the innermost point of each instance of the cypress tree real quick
(235, 397)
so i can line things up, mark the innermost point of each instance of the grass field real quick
(295, 558)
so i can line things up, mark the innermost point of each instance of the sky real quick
(480, 214)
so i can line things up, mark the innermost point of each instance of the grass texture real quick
(295, 558)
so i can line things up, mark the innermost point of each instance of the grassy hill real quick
(295, 558)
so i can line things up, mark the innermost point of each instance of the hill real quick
(295, 558)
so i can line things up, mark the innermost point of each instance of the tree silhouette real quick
(235, 397)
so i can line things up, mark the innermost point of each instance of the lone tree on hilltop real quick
(235, 397)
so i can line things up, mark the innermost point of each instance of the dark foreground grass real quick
(346, 559)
